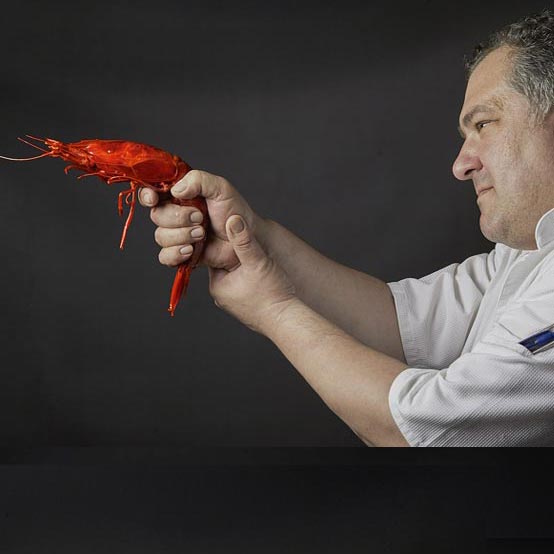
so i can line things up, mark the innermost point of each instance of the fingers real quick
(201, 183)
(175, 255)
(173, 237)
(172, 215)
(148, 197)
(176, 243)
(178, 227)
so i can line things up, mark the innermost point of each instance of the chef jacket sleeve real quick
(501, 393)
(435, 313)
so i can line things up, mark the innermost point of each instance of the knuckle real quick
(172, 237)
(180, 215)
(194, 175)
(216, 184)
(169, 215)
(194, 179)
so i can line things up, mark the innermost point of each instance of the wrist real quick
(278, 314)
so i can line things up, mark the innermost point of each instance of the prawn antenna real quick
(43, 155)
(26, 159)
(35, 138)
(31, 144)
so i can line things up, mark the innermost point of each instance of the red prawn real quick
(141, 165)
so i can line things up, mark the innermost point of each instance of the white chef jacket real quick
(470, 381)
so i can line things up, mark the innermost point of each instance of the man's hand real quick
(244, 281)
(177, 224)
(255, 291)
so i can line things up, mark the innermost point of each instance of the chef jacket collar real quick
(544, 231)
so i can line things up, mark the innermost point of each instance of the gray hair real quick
(531, 40)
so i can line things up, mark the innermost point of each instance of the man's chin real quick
(487, 231)
(498, 234)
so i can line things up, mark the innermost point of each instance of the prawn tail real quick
(180, 284)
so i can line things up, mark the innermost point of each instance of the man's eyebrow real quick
(494, 104)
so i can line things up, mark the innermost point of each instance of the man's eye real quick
(480, 124)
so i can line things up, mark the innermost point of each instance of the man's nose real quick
(465, 164)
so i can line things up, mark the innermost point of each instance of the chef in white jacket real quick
(462, 357)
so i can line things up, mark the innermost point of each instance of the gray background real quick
(336, 119)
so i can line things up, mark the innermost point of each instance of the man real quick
(437, 361)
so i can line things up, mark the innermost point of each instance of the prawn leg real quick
(123, 193)
(116, 179)
(68, 168)
(133, 193)
(94, 174)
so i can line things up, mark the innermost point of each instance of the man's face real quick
(505, 153)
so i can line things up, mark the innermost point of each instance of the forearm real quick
(351, 378)
(359, 304)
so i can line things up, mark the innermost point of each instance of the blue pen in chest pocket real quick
(540, 341)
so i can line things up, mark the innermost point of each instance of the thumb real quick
(245, 245)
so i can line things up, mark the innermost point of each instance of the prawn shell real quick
(141, 162)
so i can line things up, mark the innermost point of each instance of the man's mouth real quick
(482, 191)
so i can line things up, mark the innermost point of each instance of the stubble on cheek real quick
(500, 219)
(509, 218)
(489, 220)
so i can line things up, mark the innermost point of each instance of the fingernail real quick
(186, 249)
(197, 232)
(237, 225)
(196, 217)
(148, 197)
